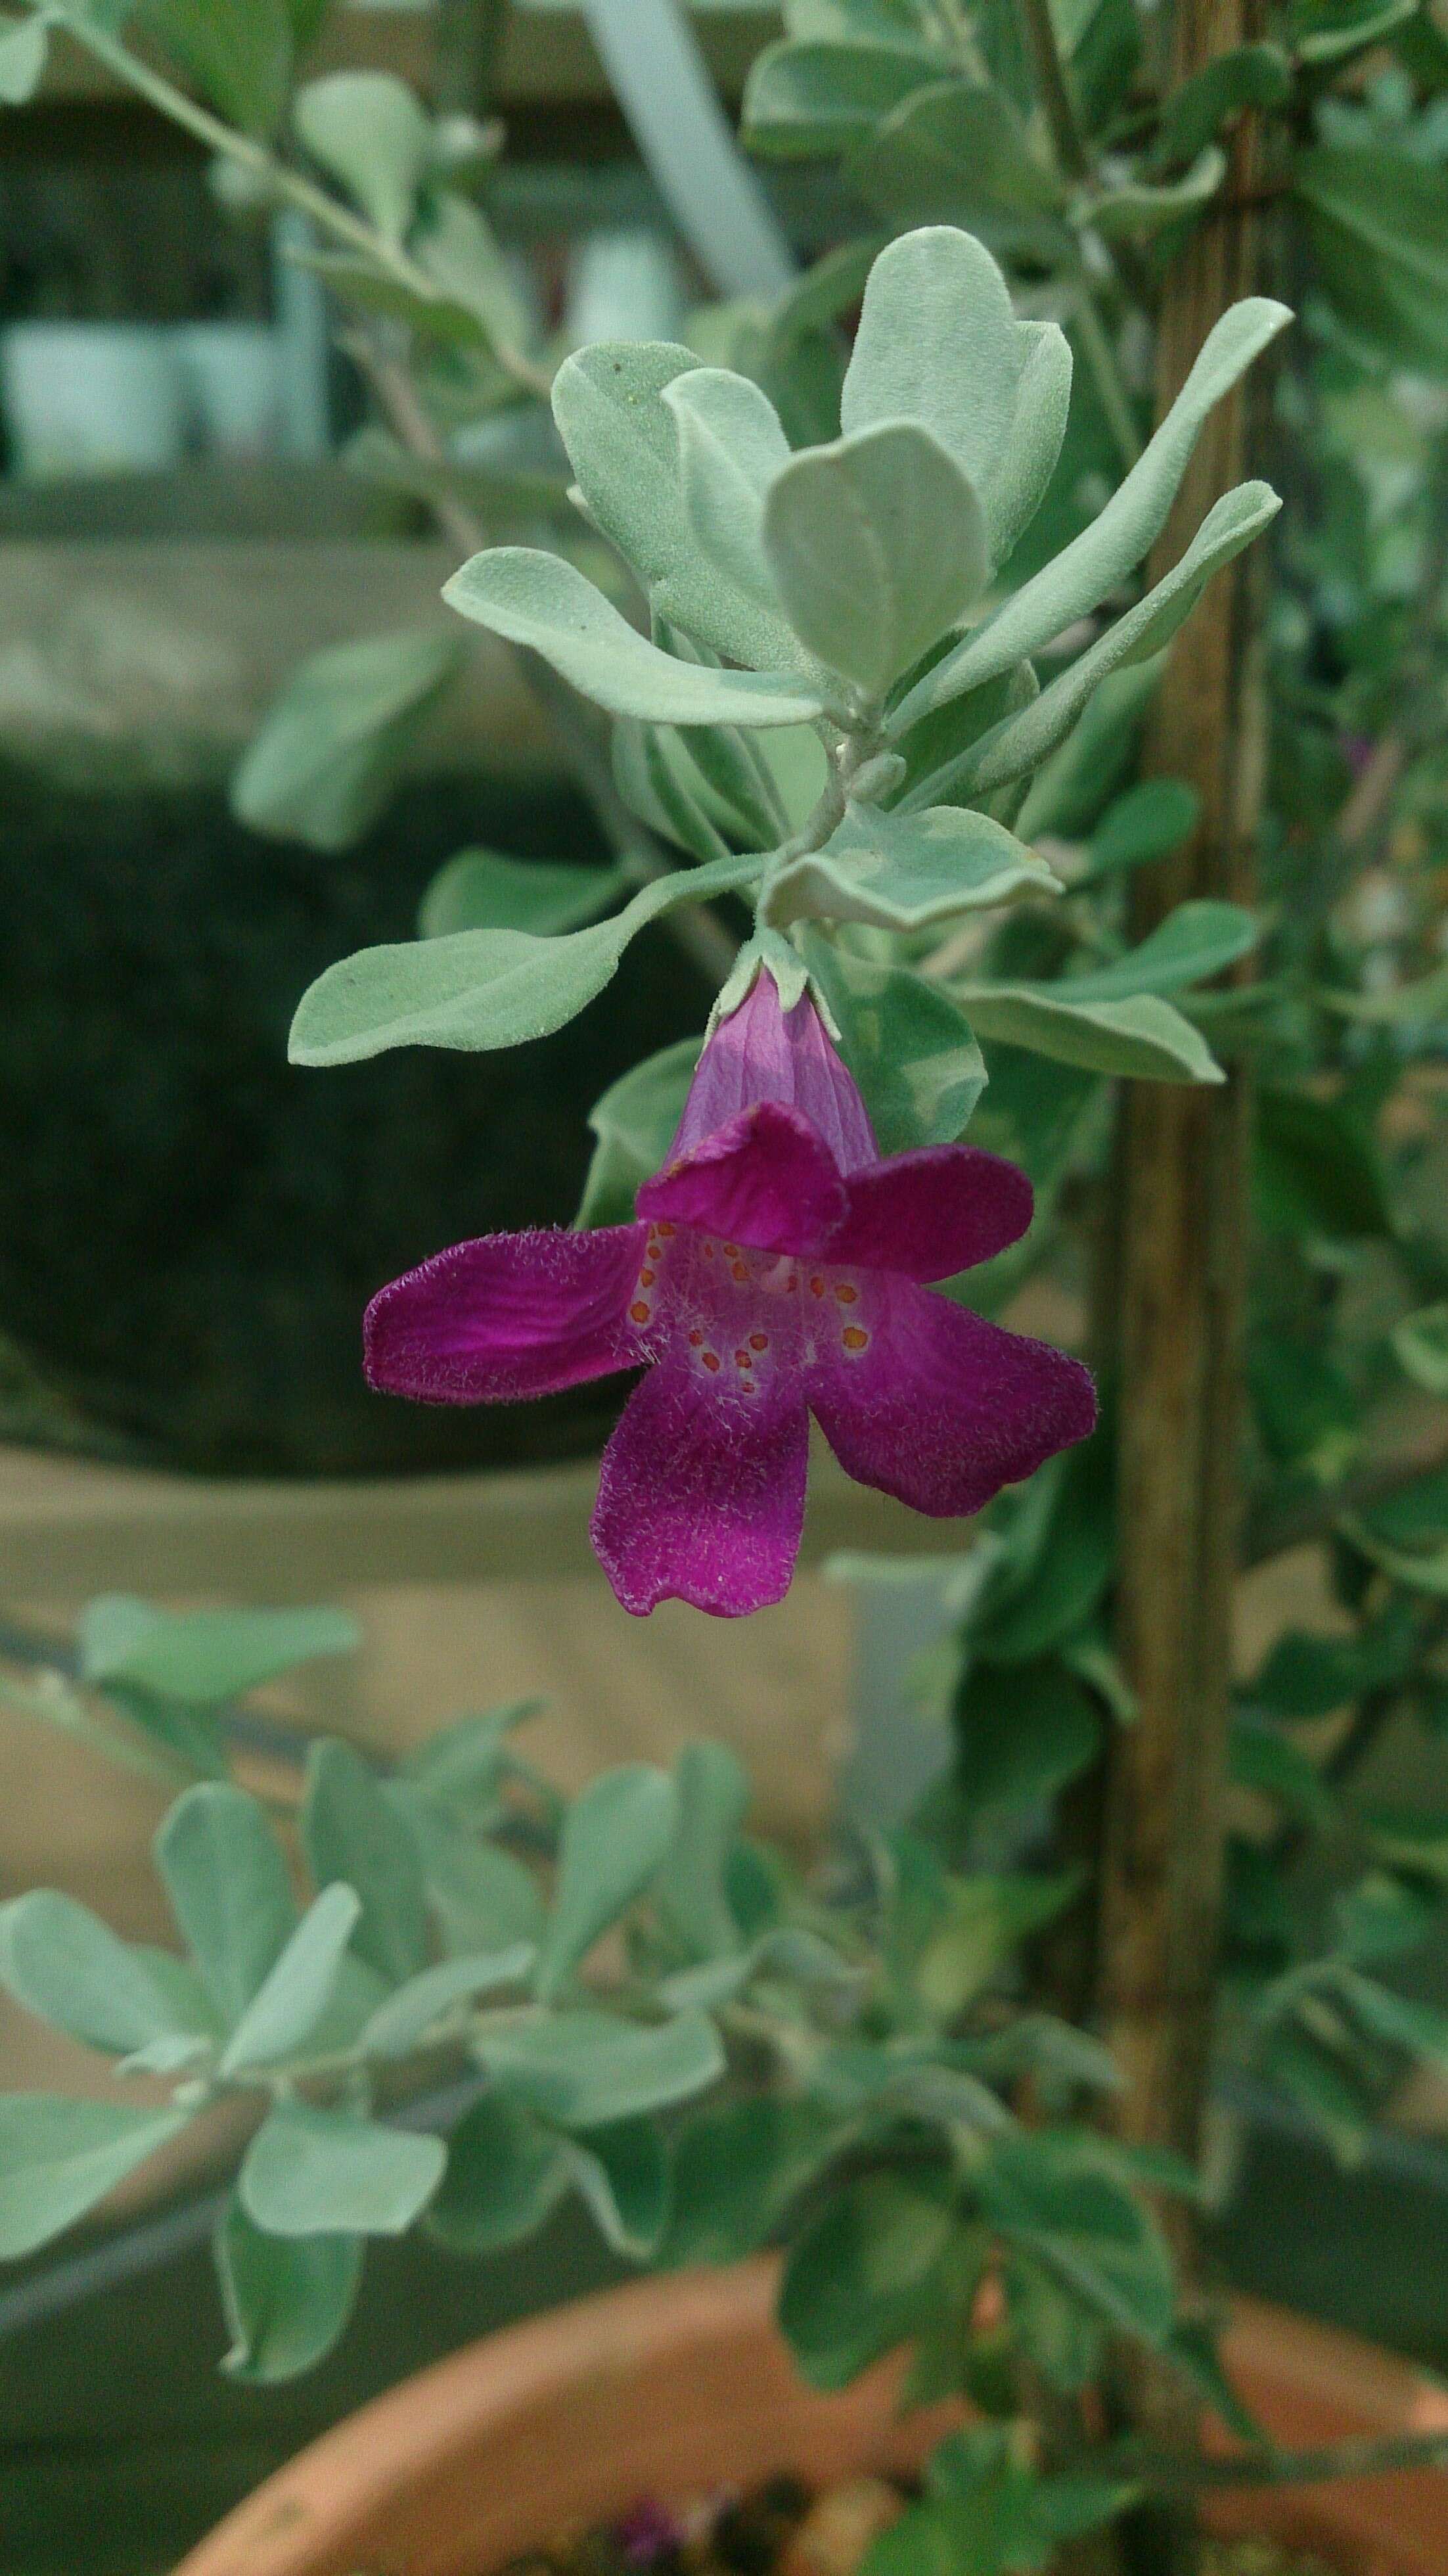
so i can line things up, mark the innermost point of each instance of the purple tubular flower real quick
(779, 1266)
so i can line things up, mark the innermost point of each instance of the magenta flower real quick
(776, 1269)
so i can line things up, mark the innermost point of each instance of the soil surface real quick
(783, 2529)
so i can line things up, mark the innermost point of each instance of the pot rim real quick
(316, 2516)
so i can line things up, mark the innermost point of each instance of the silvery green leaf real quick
(1142, 1036)
(368, 131)
(1018, 745)
(203, 1656)
(634, 1121)
(909, 1048)
(238, 52)
(1140, 207)
(658, 781)
(712, 1793)
(731, 446)
(621, 2173)
(285, 2300)
(60, 2155)
(1083, 574)
(310, 2172)
(62, 1963)
(877, 545)
(543, 602)
(812, 100)
(1196, 940)
(624, 447)
(614, 1837)
(482, 988)
(291, 2000)
(861, 22)
(482, 890)
(397, 2026)
(908, 871)
(938, 342)
(352, 1832)
(454, 244)
(1071, 793)
(584, 2068)
(230, 1889)
(24, 43)
(333, 746)
(1147, 823)
(505, 2173)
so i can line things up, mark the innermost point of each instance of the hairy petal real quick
(701, 1496)
(764, 1053)
(767, 1178)
(507, 1316)
(928, 1215)
(941, 1408)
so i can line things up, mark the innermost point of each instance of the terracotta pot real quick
(680, 2385)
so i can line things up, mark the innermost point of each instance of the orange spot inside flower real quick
(711, 1359)
(740, 1269)
(665, 1231)
(647, 1278)
(731, 1251)
(817, 1286)
(759, 1341)
(742, 1360)
(853, 1338)
(639, 1311)
(696, 1341)
(847, 1295)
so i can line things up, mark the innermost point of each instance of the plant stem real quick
(324, 210)
(1184, 1165)
(1110, 383)
(1054, 88)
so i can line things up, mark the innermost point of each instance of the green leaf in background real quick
(862, 2275)
(1198, 939)
(479, 989)
(69, 1968)
(1118, 538)
(350, 1831)
(939, 343)
(335, 743)
(289, 2004)
(230, 1890)
(877, 544)
(1142, 1038)
(1147, 823)
(1420, 1345)
(912, 1053)
(736, 2170)
(615, 1836)
(1020, 742)
(1378, 224)
(397, 2026)
(624, 447)
(1067, 1528)
(60, 2155)
(908, 871)
(483, 1897)
(238, 52)
(370, 132)
(1325, 31)
(1410, 1841)
(583, 2069)
(1257, 75)
(310, 2172)
(987, 1917)
(455, 245)
(1021, 1735)
(1070, 794)
(1399, 2020)
(464, 1765)
(24, 44)
(621, 2172)
(812, 101)
(711, 1791)
(547, 604)
(1316, 1173)
(479, 890)
(958, 153)
(1055, 2193)
(634, 1122)
(731, 446)
(659, 782)
(203, 1656)
(1137, 209)
(1263, 1758)
(505, 2174)
(1309, 1676)
(1381, 1916)
(286, 2300)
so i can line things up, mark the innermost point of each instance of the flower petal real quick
(928, 1215)
(941, 1408)
(767, 1179)
(701, 1496)
(507, 1316)
(762, 1052)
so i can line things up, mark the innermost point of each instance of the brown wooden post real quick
(1183, 1172)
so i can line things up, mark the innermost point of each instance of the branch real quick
(1058, 106)
(1367, 2457)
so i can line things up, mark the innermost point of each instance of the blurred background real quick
(189, 1227)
